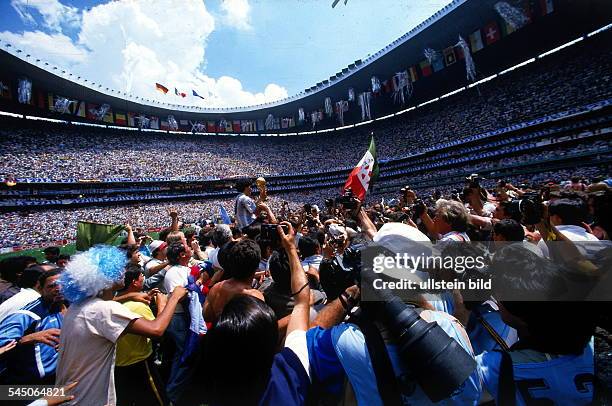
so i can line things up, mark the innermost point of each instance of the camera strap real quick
(386, 381)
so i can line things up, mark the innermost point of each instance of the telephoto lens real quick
(439, 363)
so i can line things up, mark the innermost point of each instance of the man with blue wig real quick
(94, 323)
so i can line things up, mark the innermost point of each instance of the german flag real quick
(120, 119)
(161, 88)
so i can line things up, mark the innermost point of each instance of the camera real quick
(342, 271)
(441, 365)
(530, 207)
(270, 234)
(348, 200)
(473, 181)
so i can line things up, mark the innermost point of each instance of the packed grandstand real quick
(556, 121)
(466, 136)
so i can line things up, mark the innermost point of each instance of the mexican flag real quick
(364, 173)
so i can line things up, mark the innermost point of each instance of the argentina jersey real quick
(486, 329)
(548, 379)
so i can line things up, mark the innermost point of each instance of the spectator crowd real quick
(549, 85)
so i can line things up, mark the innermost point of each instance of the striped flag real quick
(413, 73)
(425, 68)
(161, 88)
(476, 41)
(196, 94)
(364, 174)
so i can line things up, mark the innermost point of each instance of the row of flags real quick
(485, 36)
(163, 89)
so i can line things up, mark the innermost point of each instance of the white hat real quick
(155, 244)
(400, 238)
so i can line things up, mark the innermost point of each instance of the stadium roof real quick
(570, 19)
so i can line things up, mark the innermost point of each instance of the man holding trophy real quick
(245, 207)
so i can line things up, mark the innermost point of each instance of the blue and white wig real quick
(91, 271)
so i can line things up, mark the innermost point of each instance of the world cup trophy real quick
(263, 192)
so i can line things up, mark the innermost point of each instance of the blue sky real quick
(234, 52)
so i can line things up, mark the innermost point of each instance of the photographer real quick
(547, 364)
(450, 222)
(376, 375)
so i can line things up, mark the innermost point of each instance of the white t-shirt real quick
(153, 262)
(213, 256)
(176, 276)
(87, 349)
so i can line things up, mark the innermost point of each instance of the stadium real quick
(483, 106)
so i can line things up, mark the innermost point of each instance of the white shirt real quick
(87, 349)
(176, 276)
(213, 257)
(579, 235)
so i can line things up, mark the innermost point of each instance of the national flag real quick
(211, 126)
(120, 119)
(476, 41)
(90, 234)
(449, 56)
(438, 64)
(161, 88)
(224, 216)
(546, 7)
(507, 29)
(236, 126)
(51, 101)
(425, 68)
(364, 173)
(260, 125)
(108, 117)
(90, 109)
(132, 122)
(40, 99)
(164, 125)
(228, 126)
(197, 95)
(176, 92)
(413, 74)
(491, 33)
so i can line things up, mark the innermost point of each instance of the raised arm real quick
(299, 282)
(156, 328)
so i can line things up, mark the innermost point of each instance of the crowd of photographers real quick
(279, 306)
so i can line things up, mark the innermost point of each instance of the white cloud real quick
(54, 13)
(129, 45)
(237, 13)
(54, 48)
